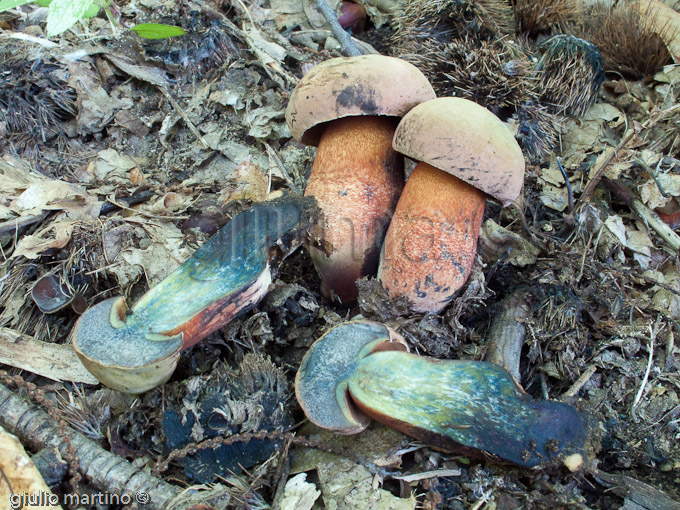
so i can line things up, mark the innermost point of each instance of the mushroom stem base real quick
(432, 241)
(356, 180)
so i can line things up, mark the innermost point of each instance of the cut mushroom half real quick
(133, 350)
(361, 369)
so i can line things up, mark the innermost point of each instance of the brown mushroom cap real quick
(466, 140)
(351, 86)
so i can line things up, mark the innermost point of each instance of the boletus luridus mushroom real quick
(135, 349)
(465, 155)
(361, 370)
(349, 108)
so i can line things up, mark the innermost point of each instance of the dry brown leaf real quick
(56, 195)
(18, 475)
(247, 182)
(666, 23)
(55, 235)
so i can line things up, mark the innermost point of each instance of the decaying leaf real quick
(54, 195)
(54, 235)
(299, 494)
(346, 484)
(157, 260)
(651, 195)
(112, 165)
(496, 242)
(96, 107)
(246, 182)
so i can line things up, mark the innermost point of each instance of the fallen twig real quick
(507, 333)
(580, 382)
(619, 189)
(54, 361)
(180, 111)
(348, 48)
(107, 471)
(639, 494)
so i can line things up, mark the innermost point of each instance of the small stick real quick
(192, 127)
(104, 469)
(18, 223)
(580, 382)
(348, 48)
(570, 194)
(670, 346)
(507, 333)
(654, 175)
(652, 219)
(650, 359)
(273, 155)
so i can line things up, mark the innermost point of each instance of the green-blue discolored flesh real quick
(469, 406)
(224, 277)
(233, 258)
(320, 383)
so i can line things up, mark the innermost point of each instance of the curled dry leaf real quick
(56, 195)
(246, 182)
(55, 235)
(496, 242)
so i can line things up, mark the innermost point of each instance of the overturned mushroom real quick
(136, 349)
(359, 370)
(464, 153)
(349, 108)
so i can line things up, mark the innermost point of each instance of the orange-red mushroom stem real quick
(356, 179)
(431, 244)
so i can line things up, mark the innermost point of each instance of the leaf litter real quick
(167, 140)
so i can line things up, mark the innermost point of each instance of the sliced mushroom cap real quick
(466, 140)
(117, 354)
(352, 86)
(321, 380)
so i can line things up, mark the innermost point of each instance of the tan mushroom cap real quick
(351, 86)
(466, 140)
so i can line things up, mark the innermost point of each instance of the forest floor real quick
(120, 156)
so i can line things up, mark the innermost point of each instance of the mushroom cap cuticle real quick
(466, 140)
(354, 86)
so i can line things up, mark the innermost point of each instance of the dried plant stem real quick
(650, 359)
(580, 382)
(192, 127)
(348, 48)
(645, 213)
(507, 333)
(107, 471)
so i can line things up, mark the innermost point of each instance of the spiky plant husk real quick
(537, 131)
(459, 45)
(487, 72)
(571, 72)
(536, 17)
(628, 43)
(444, 20)
(34, 96)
